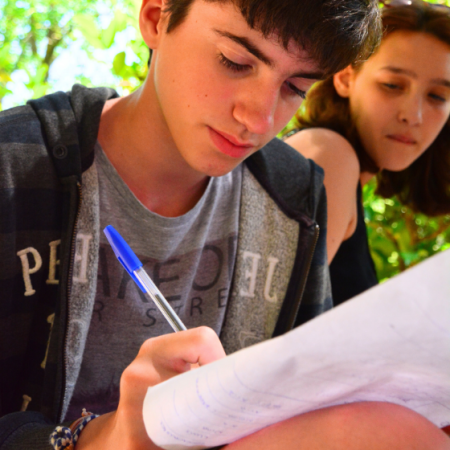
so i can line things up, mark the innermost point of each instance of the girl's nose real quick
(411, 111)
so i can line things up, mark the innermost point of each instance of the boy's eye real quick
(294, 89)
(235, 67)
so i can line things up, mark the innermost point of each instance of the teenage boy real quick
(231, 245)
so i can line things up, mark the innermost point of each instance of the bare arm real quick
(371, 425)
(158, 359)
(353, 426)
(338, 159)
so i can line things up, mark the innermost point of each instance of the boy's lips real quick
(229, 145)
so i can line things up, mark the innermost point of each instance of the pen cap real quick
(124, 253)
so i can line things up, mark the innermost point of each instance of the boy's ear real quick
(152, 21)
(342, 81)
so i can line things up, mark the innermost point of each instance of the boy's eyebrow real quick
(317, 76)
(251, 48)
(412, 74)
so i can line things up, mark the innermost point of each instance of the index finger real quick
(195, 346)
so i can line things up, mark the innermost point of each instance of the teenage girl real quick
(386, 117)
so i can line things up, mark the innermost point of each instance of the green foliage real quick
(33, 33)
(399, 238)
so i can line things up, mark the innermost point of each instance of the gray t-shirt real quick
(191, 260)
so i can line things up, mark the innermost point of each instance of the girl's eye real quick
(391, 86)
(438, 98)
(294, 89)
(235, 67)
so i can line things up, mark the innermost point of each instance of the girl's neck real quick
(365, 177)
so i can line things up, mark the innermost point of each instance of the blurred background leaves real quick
(48, 45)
(399, 238)
(51, 44)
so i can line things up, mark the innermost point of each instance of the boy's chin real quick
(217, 168)
(220, 172)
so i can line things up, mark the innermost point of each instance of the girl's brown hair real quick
(425, 184)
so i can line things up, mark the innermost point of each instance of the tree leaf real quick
(119, 63)
(117, 24)
(86, 24)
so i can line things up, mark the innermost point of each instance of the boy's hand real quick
(158, 359)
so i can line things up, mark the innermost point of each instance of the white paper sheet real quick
(391, 343)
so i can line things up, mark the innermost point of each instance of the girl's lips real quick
(227, 146)
(401, 138)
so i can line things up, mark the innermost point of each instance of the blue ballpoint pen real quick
(134, 267)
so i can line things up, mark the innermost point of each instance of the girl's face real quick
(400, 98)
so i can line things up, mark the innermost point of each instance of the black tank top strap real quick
(352, 270)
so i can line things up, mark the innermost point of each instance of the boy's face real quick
(223, 89)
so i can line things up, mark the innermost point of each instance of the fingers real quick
(199, 345)
(165, 356)
(159, 359)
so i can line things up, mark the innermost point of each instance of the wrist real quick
(65, 438)
(96, 433)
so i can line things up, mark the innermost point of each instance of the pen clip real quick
(124, 253)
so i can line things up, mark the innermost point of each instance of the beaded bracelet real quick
(65, 438)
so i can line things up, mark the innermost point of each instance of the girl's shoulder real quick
(338, 159)
(327, 148)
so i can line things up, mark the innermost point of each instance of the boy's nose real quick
(256, 111)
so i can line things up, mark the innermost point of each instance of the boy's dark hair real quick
(425, 184)
(333, 32)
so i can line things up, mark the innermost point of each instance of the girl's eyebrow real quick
(400, 71)
(254, 50)
(412, 74)
(441, 82)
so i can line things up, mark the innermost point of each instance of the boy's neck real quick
(135, 139)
